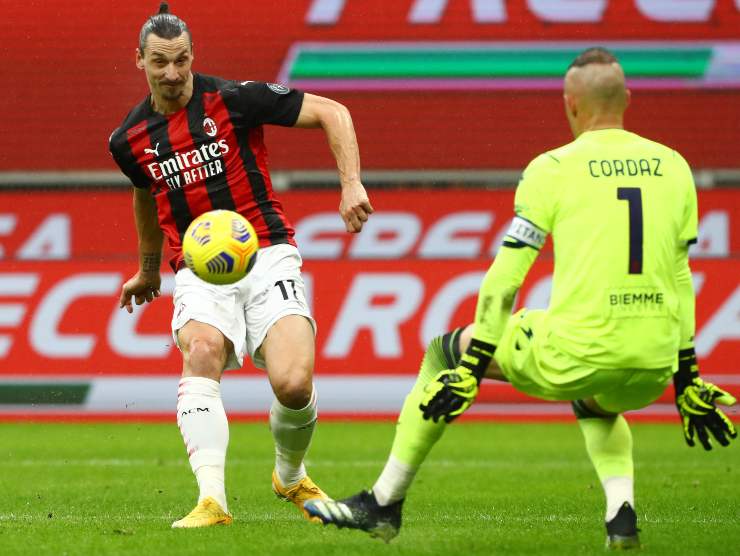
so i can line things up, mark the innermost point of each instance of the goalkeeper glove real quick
(453, 391)
(695, 400)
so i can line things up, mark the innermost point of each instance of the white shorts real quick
(246, 310)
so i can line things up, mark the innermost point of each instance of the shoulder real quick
(549, 162)
(212, 83)
(663, 150)
(565, 152)
(136, 117)
(673, 160)
(679, 159)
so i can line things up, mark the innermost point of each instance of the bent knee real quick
(205, 354)
(589, 408)
(293, 389)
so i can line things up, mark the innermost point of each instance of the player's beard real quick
(171, 91)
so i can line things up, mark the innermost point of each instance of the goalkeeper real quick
(622, 213)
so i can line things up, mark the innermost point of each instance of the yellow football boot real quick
(300, 493)
(208, 512)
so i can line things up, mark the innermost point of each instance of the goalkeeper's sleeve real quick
(686, 299)
(504, 278)
(453, 390)
(687, 369)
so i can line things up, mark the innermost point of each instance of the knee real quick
(293, 388)
(205, 355)
(589, 409)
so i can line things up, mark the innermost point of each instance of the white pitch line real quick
(246, 516)
(319, 463)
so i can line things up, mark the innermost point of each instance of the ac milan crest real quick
(209, 126)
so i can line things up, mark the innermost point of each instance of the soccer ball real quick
(220, 247)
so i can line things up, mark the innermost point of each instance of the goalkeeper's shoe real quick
(622, 531)
(208, 512)
(360, 511)
(301, 492)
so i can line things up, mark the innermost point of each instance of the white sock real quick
(292, 430)
(393, 482)
(618, 490)
(205, 430)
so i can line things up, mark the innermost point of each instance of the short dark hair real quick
(163, 24)
(594, 55)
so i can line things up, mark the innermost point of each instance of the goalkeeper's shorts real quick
(538, 369)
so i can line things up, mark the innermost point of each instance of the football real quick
(220, 247)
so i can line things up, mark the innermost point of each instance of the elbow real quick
(338, 107)
(336, 114)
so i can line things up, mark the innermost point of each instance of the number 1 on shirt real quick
(633, 196)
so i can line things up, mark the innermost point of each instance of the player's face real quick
(166, 63)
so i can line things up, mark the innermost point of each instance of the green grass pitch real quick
(488, 488)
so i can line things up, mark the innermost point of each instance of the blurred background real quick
(450, 100)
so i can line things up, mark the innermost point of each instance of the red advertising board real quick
(97, 225)
(70, 78)
(378, 296)
(374, 317)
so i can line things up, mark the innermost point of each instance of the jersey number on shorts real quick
(284, 290)
(633, 196)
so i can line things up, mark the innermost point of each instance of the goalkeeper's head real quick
(595, 92)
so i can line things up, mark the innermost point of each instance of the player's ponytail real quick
(163, 24)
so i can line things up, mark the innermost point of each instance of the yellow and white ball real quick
(220, 246)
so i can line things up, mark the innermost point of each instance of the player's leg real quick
(200, 411)
(538, 369)
(415, 436)
(281, 336)
(528, 364)
(609, 446)
(203, 319)
(288, 351)
(378, 511)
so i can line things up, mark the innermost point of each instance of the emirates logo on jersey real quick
(183, 168)
(209, 126)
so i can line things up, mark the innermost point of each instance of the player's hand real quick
(141, 287)
(449, 394)
(355, 207)
(697, 406)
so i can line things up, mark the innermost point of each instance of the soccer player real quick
(622, 213)
(196, 144)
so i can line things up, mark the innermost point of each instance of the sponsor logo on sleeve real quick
(278, 88)
(525, 231)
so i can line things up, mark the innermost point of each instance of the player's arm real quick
(498, 291)
(336, 121)
(453, 391)
(145, 284)
(695, 399)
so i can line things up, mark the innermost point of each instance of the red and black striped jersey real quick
(209, 155)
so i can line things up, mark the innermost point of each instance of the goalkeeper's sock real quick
(394, 481)
(416, 436)
(292, 430)
(609, 445)
(205, 430)
(618, 490)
